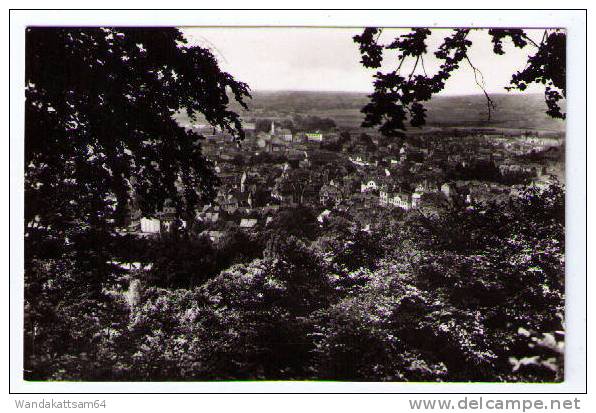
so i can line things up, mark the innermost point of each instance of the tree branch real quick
(489, 103)
(414, 69)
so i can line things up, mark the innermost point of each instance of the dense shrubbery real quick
(473, 293)
(488, 171)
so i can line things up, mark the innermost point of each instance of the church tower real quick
(272, 128)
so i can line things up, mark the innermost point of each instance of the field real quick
(512, 111)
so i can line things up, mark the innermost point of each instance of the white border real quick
(575, 23)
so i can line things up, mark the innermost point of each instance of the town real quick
(359, 174)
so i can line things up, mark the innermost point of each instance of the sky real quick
(327, 59)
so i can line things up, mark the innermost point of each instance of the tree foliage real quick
(399, 97)
(483, 301)
(99, 126)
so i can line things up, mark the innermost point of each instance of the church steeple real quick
(272, 127)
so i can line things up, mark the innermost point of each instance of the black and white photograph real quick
(209, 203)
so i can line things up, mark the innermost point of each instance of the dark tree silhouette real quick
(399, 97)
(99, 126)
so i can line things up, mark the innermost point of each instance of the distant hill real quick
(515, 111)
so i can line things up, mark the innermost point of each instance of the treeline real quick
(488, 171)
(471, 294)
(297, 123)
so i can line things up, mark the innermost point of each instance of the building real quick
(416, 199)
(369, 185)
(314, 136)
(285, 135)
(394, 198)
(150, 225)
(330, 195)
(248, 223)
(211, 217)
(362, 160)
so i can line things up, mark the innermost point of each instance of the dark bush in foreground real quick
(482, 301)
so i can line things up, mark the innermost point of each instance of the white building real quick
(150, 225)
(370, 185)
(360, 160)
(396, 199)
(248, 223)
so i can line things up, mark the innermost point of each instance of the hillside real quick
(515, 111)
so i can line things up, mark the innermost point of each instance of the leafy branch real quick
(399, 99)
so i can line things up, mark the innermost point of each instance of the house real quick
(229, 203)
(274, 139)
(369, 185)
(363, 159)
(330, 194)
(248, 223)
(150, 225)
(400, 200)
(285, 135)
(416, 199)
(163, 222)
(394, 198)
(426, 186)
(314, 136)
(211, 216)
(389, 196)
